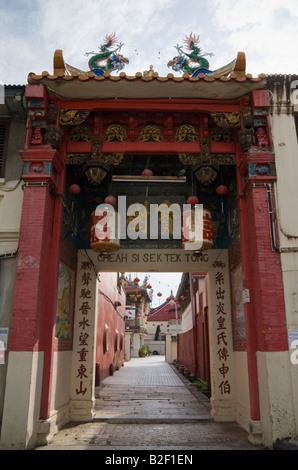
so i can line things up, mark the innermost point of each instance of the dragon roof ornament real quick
(106, 59)
(194, 62)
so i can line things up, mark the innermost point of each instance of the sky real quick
(31, 30)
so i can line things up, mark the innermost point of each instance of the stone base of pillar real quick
(255, 433)
(223, 410)
(82, 411)
(47, 429)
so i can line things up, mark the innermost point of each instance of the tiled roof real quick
(68, 84)
(235, 76)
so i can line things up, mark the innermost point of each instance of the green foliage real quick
(144, 351)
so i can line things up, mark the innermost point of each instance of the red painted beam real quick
(152, 105)
(151, 147)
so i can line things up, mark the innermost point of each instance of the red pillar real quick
(265, 312)
(35, 301)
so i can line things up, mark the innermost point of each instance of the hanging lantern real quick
(189, 241)
(147, 172)
(168, 299)
(206, 175)
(149, 286)
(104, 231)
(74, 189)
(222, 190)
(182, 297)
(136, 280)
(95, 172)
(192, 200)
(110, 200)
(159, 294)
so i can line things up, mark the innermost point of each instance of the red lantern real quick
(147, 173)
(182, 297)
(221, 190)
(74, 189)
(149, 286)
(168, 299)
(192, 200)
(136, 280)
(159, 294)
(110, 200)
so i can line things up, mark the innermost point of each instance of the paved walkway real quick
(148, 405)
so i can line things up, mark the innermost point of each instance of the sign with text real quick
(176, 260)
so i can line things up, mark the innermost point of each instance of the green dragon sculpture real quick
(105, 60)
(194, 62)
(113, 60)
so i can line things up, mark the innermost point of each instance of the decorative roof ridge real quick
(61, 71)
(32, 77)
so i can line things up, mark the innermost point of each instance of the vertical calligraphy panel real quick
(223, 389)
(83, 372)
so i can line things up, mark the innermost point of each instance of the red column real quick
(34, 316)
(265, 312)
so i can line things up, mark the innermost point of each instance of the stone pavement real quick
(148, 405)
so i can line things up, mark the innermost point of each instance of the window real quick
(3, 146)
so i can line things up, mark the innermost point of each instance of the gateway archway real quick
(215, 263)
(101, 132)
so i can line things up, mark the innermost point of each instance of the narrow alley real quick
(149, 405)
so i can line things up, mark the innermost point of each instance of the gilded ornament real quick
(80, 134)
(186, 133)
(190, 158)
(115, 132)
(52, 136)
(77, 158)
(112, 158)
(73, 117)
(151, 133)
(226, 120)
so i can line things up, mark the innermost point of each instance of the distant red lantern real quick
(130, 313)
(149, 286)
(192, 200)
(110, 200)
(168, 299)
(147, 173)
(159, 294)
(221, 190)
(182, 297)
(136, 280)
(153, 324)
(161, 324)
(74, 189)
